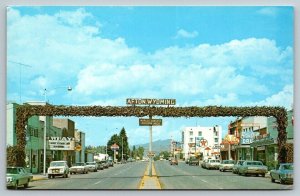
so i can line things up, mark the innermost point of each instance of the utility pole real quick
(122, 148)
(150, 147)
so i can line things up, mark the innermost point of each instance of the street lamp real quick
(69, 88)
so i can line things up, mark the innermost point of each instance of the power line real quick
(20, 71)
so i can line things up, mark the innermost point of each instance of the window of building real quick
(191, 139)
(216, 140)
(191, 133)
(199, 133)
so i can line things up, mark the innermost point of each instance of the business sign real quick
(151, 154)
(247, 137)
(61, 143)
(114, 147)
(150, 122)
(136, 101)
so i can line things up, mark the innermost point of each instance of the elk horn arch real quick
(24, 112)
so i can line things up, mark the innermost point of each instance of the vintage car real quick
(58, 168)
(226, 165)
(110, 162)
(253, 167)
(212, 164)
(100, 165)
(173, 161)
(193, 161)
(105, 164)
(92, 166)
(235, 168)
(284, 173)
(79, 168)
(17, 176)
(203, 164)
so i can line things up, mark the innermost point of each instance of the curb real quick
(37, 178)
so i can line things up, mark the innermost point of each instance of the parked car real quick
(17, 176)
(93, 166)
(80, 167)
(105, 164)
(226, 165)
(100, 165)
(58, 168)
(253, 167)
(203, 164)
(193, 161)
(284, 173)
(173, 161)
(235, 168)
(110, 162)
(212, 164)
(187, 161)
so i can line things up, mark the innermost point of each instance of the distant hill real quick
(157, 146)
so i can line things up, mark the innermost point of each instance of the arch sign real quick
(26, 111)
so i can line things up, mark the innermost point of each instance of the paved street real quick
(121, 176)
(181, 176)
(184, 176)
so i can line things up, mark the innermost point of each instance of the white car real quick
(93, 166)
(58, 168)
(213, 164)
(226, 165)
(79, 168)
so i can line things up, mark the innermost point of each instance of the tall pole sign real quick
(114, 147)
(150, 122)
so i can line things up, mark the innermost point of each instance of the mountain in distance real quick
(157, 146)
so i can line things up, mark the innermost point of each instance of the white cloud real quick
(181, 33)
(283, 98)
(73, 18)
(102, 69)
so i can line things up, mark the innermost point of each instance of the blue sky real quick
(234, 56)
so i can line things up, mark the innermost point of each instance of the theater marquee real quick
(61, 143)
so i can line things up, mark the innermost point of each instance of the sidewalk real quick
(148, 182)
(39, 177)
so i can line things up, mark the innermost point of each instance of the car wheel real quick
(16, 185)
(26, 185)
(263, 175)
(239, 173)
(272, 180)
(256, 175)
(281, 180)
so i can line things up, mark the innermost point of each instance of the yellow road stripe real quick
(146, 177)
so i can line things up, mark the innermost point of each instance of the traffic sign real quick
(78, 148)
(150, 122)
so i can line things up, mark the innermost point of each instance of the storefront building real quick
(265, 146)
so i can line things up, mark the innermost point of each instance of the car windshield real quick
(79, 164)
(288, 167)
(12, 171)
(254, 163)
(54, 164)
(228, 162)
(90, 163)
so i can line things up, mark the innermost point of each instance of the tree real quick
(124, 140)
(113, 140)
